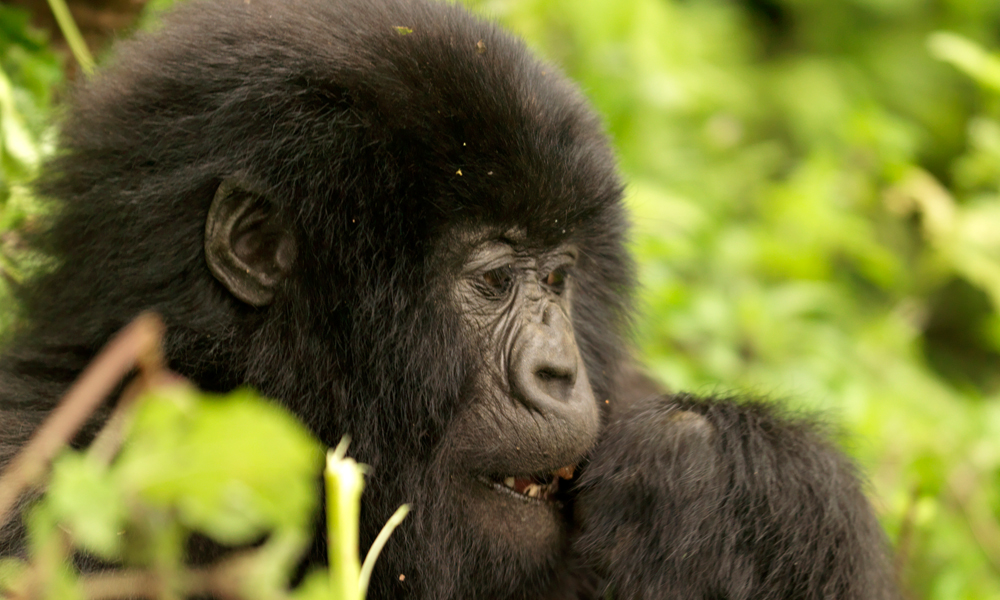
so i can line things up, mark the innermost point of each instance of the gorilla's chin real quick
(501, 544)
(532, 529)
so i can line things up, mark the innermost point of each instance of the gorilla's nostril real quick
(548, 374)
(555, 382)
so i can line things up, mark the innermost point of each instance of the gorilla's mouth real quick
(542, 487)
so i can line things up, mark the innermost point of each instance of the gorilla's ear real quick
(247, 247)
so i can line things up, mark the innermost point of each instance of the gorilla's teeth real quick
(509, 482)
(565, 472)
(533, 491)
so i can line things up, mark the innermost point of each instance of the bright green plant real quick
(171, 462)
(29, 72)
(815, 189)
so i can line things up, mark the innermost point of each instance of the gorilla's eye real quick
(496, 282)
(557, 279)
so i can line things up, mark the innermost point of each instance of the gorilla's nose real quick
(555, 380)
(546, 370)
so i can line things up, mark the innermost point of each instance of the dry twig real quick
(138, 343)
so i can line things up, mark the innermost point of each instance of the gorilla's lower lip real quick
(538, 488)
(524, 488)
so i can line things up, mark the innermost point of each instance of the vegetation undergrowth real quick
(816, 195)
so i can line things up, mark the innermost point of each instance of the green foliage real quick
(29, 72)
(816, 193)
(167, 463)
(236, 469)
(32, 71)
(231, 468)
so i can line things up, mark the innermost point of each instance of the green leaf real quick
(19, 150)
(316, 586)
(15, 28)
(84, 498)
(232, 467)
(11, 572)
(48, 554)
(967, 56)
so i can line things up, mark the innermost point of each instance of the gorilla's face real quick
(528, 413)
(531, 415)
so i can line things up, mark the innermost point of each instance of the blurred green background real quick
(815, 187)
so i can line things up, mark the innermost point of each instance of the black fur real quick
(719, 498)
(380, 128)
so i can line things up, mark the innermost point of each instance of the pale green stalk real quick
(373, 552)
(344, 482)
(72, 35)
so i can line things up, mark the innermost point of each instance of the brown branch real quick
(109, 439)
(137, 343)
(224, 580)
(964, 493)
(110, 585)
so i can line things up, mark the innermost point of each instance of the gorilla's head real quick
(388, 216)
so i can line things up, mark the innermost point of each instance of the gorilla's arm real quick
(718, 498)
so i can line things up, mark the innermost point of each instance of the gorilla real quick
(392, 219)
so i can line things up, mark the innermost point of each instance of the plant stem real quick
(97, 381)
(376, 549)
(72, 34)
